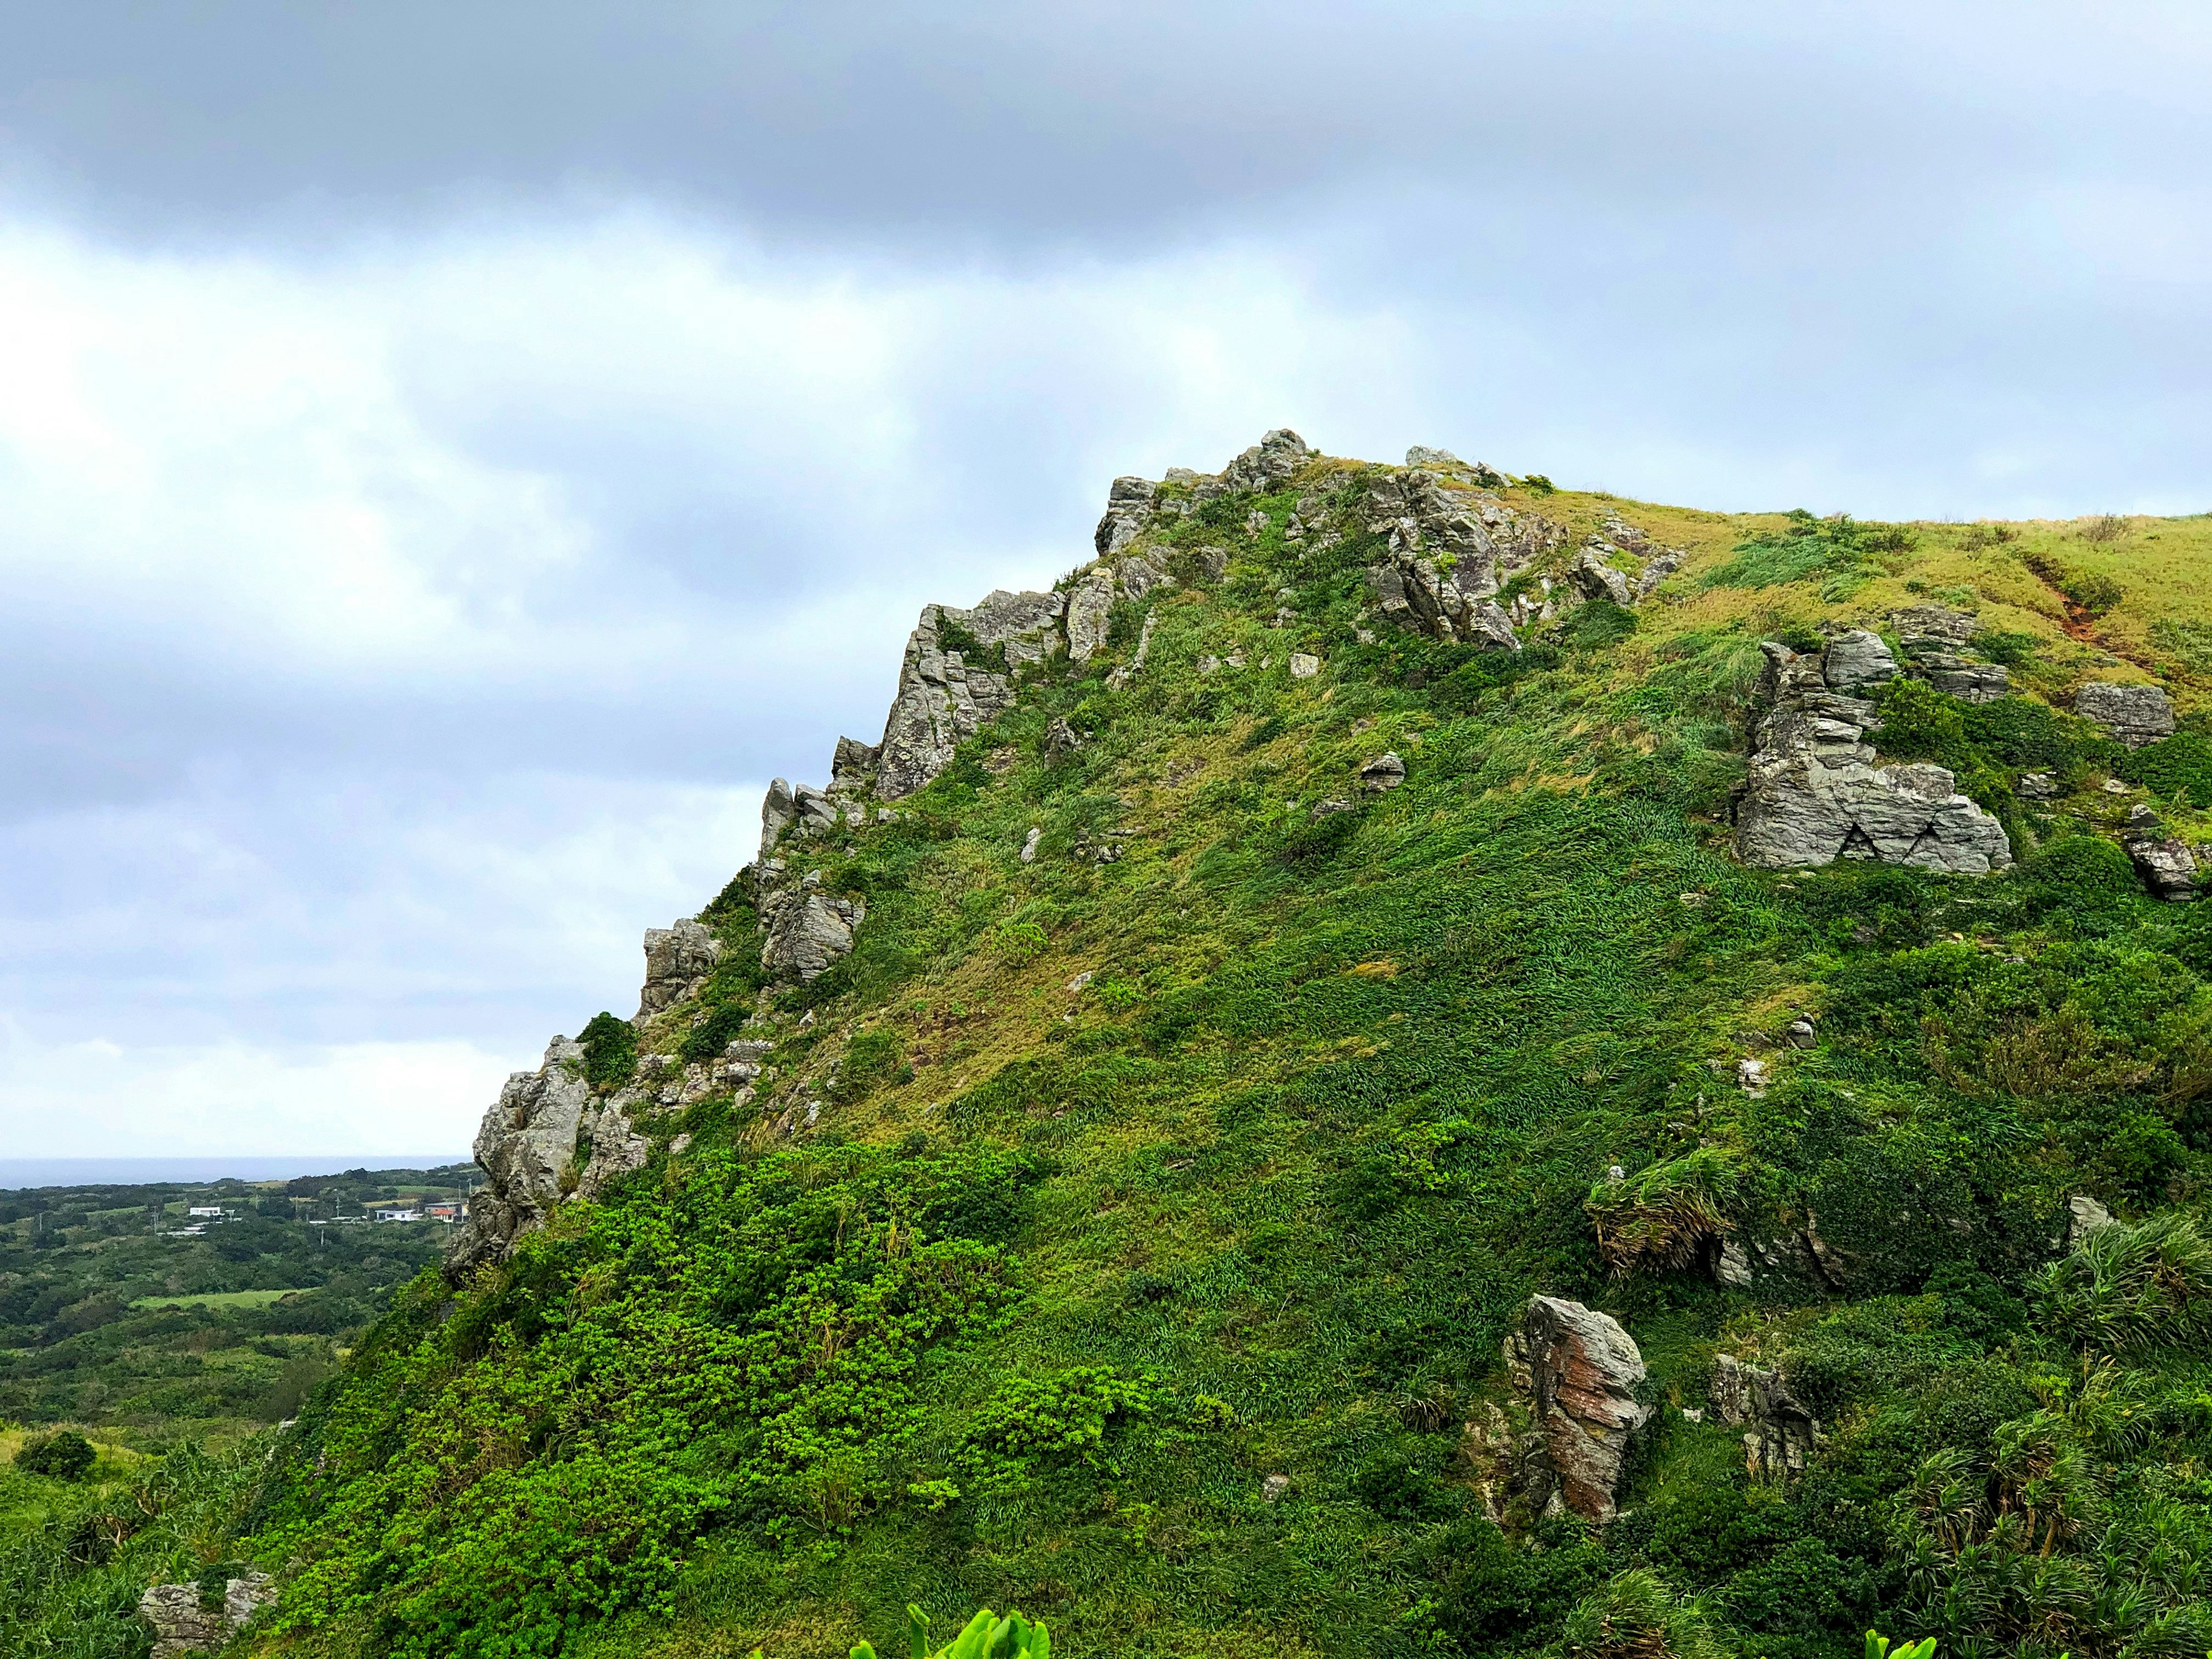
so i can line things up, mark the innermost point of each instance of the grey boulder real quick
(182, 1626)
(2135, 715)
(804, 930)
(1855, 659)
(1780, 1435)
(1814, 793)
(677, 959)
(1599, 580)
(1271, 462)
(2166, 866)
(1128, 509)
(1578, 1370)
(526, 1145)
(1385, 771)
(1088, 604)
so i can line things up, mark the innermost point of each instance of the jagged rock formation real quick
(546, 1139)
(944, 698)
(2135, 715)
(1578, 1370)
(1425, 459)
(1814, 795)
(1271, 462)
(1855, 659)
(2166, 866)
(1449, 553)
(804, 930)
(182, 1626)
(1933, 637)
(677, 959)
(1128, 507)
(1779, 1434)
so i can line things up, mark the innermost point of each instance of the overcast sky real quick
(450, 457)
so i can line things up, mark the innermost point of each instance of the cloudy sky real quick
(452, 456)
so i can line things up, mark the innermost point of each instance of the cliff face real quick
(1274, 1086)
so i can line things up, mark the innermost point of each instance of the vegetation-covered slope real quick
(1147, 1262)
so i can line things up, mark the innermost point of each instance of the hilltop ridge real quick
(1407, 1059)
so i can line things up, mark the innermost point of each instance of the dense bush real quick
(63, 1456)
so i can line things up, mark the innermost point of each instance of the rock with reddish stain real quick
(1578, 1369)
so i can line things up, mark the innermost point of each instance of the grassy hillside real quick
(1148, 1263)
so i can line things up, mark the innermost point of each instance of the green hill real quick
(1099, 1159)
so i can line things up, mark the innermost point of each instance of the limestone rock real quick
(1814, 793)
(778, 809)
(1303, 665)
(2085, 1215)
(1578, 1370)
(1957, 676)
(1732, 1265)
(943, 699)
(676, 958)
(853, 768)
(1088, 603)
(817, 809)
(1060, 740)
(1385, 771)
(1140, 574)
(1933, 627)
(1128, 507)
(1425, 459)
(2166, 866)
(1855, 659)
(527, 1146)
(1268, 464)
(181, 1625)
(1599, 580)
(805, 930)
(1030, 844)
(2135, 715)
(1780, 1434)
(617, 1148)
(2036, 786)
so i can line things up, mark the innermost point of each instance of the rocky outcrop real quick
(1128, 509)
(1598, 579)
(678, 960)
(1385, 771)
(778, 811)
(1577, 1370)
(547, 1138)
(2084, 1215)
(2166, 866)
(1089, 603)
(804, 930)
(1129, 669)
(182, 1626)
(2135, 715)
(1854, 660)
(1779, 1434)
(943, 698)
(527, 1146)
(1814, 793)
(1448, 553)
(1936, 638)
(1269, 464)
(1423, 458)
(853, 768)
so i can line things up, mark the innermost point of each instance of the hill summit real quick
(1407, 1061)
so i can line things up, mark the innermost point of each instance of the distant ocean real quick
(17, 1172)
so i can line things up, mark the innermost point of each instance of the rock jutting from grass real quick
(2166, 866)
(2135, 715)
(1578, 1369)
(1814, 793)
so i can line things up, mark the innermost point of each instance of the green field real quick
(216, 1299)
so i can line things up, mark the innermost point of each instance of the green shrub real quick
(2124, 1287)
(2177, 768)
(610, 1052)
(708, 1039)
(64, 1455)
